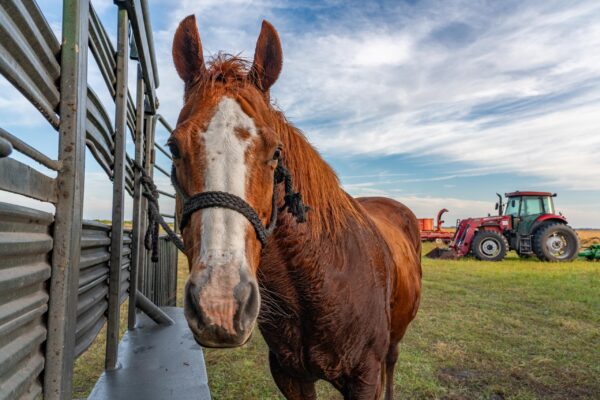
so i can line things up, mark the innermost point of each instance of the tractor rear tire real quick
(556, 242)
(489, 246)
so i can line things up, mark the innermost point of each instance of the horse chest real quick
(322, 329)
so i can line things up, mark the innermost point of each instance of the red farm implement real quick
(430, 234)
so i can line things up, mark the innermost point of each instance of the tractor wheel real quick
(556, 242)
(489, 246)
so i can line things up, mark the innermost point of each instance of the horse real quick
(272, 240)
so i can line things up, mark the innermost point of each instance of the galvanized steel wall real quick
(160, 278)
(25, 248)
(92, 300)
(75, 303)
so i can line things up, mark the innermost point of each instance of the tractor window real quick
(548, 205)
(531, 206)
(512, 206)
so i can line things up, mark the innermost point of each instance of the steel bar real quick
(5, 148)
(166, 194)
(131, 115)
(36, 31)
(27, 62)
(29, 151)
(164, 122)
(99, 117)
(152, 310)
(103, 51)
(162, 150)
(20, 178)
(137, 245)
(139, 32)
(60, 344)
(150, 36)
(99, 158)
(161, 169)
(112, 332)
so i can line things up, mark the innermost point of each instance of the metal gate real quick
(63, 278)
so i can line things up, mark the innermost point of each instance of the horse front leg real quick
(367, 385)
(290, 386)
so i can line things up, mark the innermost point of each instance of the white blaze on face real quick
(223, 230)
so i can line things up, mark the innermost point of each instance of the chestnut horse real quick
(332, 296)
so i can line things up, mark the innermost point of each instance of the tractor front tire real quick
(556, 242)
(489, 246)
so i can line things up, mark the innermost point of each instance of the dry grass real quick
(589, 236)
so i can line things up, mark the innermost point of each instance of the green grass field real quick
(518, 329)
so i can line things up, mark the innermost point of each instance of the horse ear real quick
(187, 50)
(268, 58)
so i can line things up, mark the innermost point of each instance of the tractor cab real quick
(526, 208)
(526, 204)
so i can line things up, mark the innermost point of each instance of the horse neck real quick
(332, 210)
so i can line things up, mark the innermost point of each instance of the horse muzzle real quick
(221, 305)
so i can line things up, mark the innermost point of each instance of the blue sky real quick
(435, 103)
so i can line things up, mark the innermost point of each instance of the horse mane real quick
(331, 207)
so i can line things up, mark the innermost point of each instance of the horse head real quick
(225, 155)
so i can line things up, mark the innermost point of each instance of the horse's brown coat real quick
(338, 291)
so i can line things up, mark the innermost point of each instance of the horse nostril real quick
(243, 292)
(191, 299)
(249, 303)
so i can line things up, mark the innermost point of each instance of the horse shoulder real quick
(400, 230)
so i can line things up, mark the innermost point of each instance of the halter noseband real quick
(292, 202)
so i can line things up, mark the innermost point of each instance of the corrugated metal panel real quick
(93, 283)
(28, 55)
(126, 265)
(25, 246)
(160, 278)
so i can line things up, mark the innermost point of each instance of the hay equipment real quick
(430, 234)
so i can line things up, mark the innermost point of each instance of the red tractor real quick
(528, 224)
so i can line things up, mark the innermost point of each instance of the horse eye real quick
(174, 149)
(277, 154)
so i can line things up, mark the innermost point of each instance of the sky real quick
(433, 103)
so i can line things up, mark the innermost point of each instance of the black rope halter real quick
(211, 199)
(214, 199)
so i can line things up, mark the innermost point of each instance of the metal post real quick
(137, 245)
(116, 243)
(62, 312)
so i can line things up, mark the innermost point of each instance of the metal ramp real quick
(156, 362)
